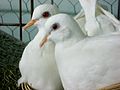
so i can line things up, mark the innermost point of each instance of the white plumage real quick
(91, 26)
(93, 21)
(84, 63)
(112, 18)
(37, 66)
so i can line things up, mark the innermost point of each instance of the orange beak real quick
(44, 40)
(29, 24)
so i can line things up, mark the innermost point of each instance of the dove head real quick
(40, 15)
(62, 27)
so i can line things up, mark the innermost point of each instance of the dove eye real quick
(46, 14)
(55, 26)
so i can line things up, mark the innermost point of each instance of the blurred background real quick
(16, 13)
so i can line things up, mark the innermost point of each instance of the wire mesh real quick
(11, 20)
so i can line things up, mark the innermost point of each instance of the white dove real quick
(37, 65)
(84, 63)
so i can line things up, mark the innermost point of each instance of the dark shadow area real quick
(10, 53)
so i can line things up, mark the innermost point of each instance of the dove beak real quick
(29, 24)
(44, 40)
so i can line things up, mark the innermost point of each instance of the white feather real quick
(85, 63)
(38, 66)
(94, 22)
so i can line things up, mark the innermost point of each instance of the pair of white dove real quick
(38, 65)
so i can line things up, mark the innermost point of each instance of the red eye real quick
(46, 14)
(55, 26)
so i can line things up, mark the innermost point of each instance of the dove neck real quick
(69, 42)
